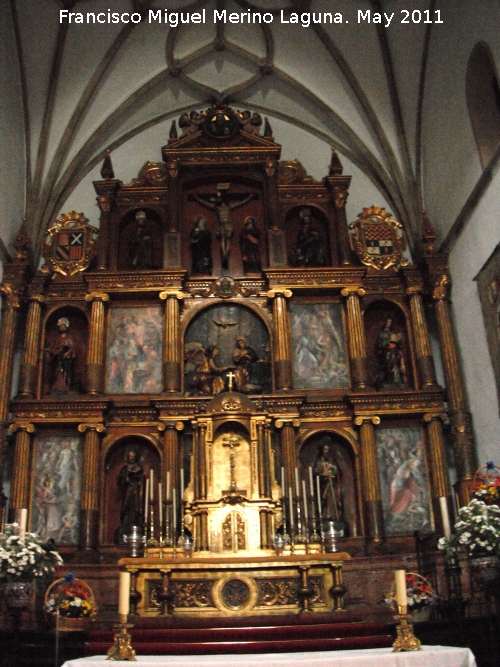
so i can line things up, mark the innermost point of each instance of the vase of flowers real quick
(421, 597)
(476, 534)
(23, 559)
(69, 603)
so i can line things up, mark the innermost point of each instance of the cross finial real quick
(231, 376)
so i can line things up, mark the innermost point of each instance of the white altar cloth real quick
(430, 656)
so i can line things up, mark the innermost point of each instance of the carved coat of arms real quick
(378, 240)
(69, 244)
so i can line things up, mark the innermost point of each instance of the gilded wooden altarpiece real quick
(226, 327)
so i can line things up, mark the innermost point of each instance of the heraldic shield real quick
(378, 240)
(69, 244)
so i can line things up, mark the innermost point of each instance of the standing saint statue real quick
(328, 471)
(390, 356)
(131, 483)
(201, 247)
(62, 357)
(222, 207)
(141, 244)
(250, 246)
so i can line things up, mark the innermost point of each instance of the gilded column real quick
(282, 344)
(10, 318)
(339, 191)
(264, 468)
(20, 491)
(440, 483)
(421, 336)
(106, 191)
(357, 344)
(465, 458)
(289, 451)
(172, 448)
(29, 362)
(372, 497)
(95, 352)
(89, 503)
(171, 349)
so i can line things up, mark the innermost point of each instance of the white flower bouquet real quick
(24, 557)
(477, 531)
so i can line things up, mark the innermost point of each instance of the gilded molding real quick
(99, 428)
(97, 296)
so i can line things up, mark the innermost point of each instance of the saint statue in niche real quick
(328, 471)
(222, 206)
(61, 358)
(131, 483)
(309, 249)
(250, 246)
(201, 247)
(389, 351)
(141, 244)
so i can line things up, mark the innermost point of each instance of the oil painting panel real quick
(403, 480)
(57, 488)
(134, 363)
(319, 349)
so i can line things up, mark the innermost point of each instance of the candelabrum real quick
(315, 537)
(152, 542)
(405, 640)
(122, 646)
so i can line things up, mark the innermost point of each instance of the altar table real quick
(430, 656)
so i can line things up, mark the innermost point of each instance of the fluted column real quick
(357, 344)
(171, 349)
(29, 362)
(95, 351)
(89, 503)
(463, 445)
(289, 451)
(421, 335)
(20, 491)
(10, 318)
(283, 345)
(172, 447)
(372, 497)
(438, 467)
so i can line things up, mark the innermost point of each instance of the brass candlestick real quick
(405, 640)
(122, 648)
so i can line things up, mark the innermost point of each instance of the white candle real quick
(306, 515)
(297, 487)
(182, 485)
(445, 517)
(311, 480)
(282, 481)
(174, 510)
(401, 599)
(291, 506)
(124, 594)
(160, 506)
(151, 484)
(318, 492)
(23, 520)
(167, 493)
(146, 498)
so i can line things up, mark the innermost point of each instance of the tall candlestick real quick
(291, 506)
(445, 517)
(319, 495)
(182, 486)
(306, 515)
(151, 485)
(283, 490)
(146, 498)
(401, 597)
(297, 487)
(160, 507)
(124, 594)
(167, 493)
(23, 520)
(311, 480)
(174, 510)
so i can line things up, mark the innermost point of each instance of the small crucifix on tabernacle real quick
(232, 441)
(231, 376)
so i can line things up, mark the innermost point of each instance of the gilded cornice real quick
(319, 278)
(397, 404)
(133, 282)
(49, 411)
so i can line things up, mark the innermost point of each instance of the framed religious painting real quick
(135, 343)
(319, 355)
(488, 283)
(403, 480)
(55, 509)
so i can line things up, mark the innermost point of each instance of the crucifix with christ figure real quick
(231, 442)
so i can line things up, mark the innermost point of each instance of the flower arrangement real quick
(23, 557)
(476, 532)
(486, 485)
(70, 596)
(419, 593)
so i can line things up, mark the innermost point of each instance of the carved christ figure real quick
(222, 207)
